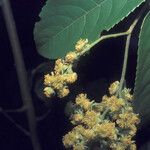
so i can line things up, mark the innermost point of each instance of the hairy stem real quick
(21, 73)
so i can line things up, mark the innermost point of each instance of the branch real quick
(124, 65)
(130, 30)
(104, 37)
(14, 122)
(19, 110)
(21, 72)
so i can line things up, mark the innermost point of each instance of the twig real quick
(14, 122)
(104, 37)
(21, 72)
(19, 110)
(130, 30)
(124, 65)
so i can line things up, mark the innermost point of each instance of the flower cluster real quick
(57, 82)
(110, 124)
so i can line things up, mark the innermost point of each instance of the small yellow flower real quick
(69, 139)
(126, 94)
(83, 101)
(106, 130)
(126, 140)
(78, 129)
(89, 134)
(49, 92)
(63, 92)
(58, 84)
(77, 118)
(114, 87)
(70, 78)
(133, 130)
(78, 147)
(117, 146)
(81, 44)
(120, 146)
(70, 57)
(48, 79)
(132, 147)
(58, 66)
(127, 119)
(113, 103)
(91, 118)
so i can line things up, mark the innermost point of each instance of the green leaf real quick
(142, 82)
(64, 22)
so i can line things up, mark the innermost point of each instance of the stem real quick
(14, 122)
(107, 37)
(19, 110)
(104, 113)
(104, 38)
(130, 30)
(124, 65)
(21, 73)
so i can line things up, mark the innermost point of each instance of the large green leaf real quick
(142, 83)
(64, 22)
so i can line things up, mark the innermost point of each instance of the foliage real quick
(64, 22)
(142, 84)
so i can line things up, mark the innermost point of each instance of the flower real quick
(126, 94)
(91, 118)
(81, 44)
(48, 79)
(48, 91)
(59, 65)
(110, 123)
(71, 57)
(117, 146)
(70, 139)
(113, 103)
(132, 147)
(63, 92)
(70, 78)
(127, 120)
(78, 147)
(126, 140)
(77, 118)
(114, 87)
(83, 101)
(88, 134)
(106, 130)
(63, 73)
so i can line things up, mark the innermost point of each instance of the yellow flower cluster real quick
(113, 103)
(111, 122)
(57, 82)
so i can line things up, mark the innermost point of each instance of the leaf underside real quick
(142, 82)
(64, 22)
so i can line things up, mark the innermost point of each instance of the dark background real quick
(98, 69)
